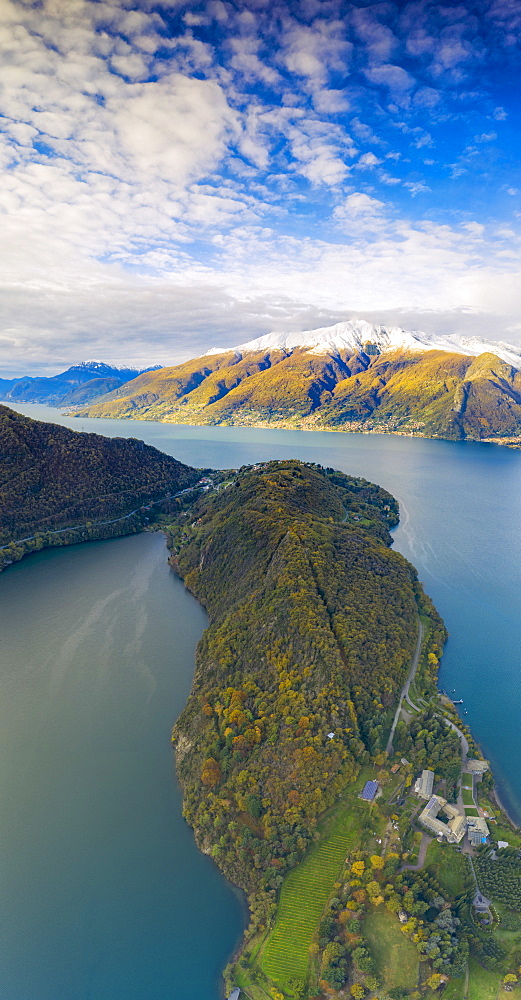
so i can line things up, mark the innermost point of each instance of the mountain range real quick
(351, 376)
(79, 384)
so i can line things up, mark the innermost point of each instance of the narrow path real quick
(463, 738)
(425, 841)
(416, 708)
(93, 524)
(405, 689)
(466, 987)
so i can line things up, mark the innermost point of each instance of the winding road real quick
(405, 690)
(93, 524)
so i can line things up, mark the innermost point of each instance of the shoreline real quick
(513, 443)
(495, 795)
(250, 960)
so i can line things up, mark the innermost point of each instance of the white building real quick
(453, 829)
(477, 830)
(424, 784)
(477, 766)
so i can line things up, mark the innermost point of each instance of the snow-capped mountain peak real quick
(103, 366)
(358, 335)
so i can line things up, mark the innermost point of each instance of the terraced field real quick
(303, 898)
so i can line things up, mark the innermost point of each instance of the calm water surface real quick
(107, 831)
(103, 894)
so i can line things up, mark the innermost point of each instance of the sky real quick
(180, 175)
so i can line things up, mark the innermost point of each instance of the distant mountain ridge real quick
(78, 385)
(351, 376)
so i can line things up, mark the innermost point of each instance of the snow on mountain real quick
(102, 366)
(356, 335)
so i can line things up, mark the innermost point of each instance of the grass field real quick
(471, 811)
(468, 798)
(396, 957)
(303, 897)
(501, 830)
(449, 866)
(483, 985)
(455, 989)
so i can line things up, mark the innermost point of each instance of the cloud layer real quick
(180, 174)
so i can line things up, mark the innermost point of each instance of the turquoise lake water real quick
(104, 891)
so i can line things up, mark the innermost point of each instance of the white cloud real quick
(359, 204)
(175, 128)
(397, 79)
(312, 52)
(245, 60)
(378, 39)
(330, 102)
(319, 162)
(150, 183)
(262, 280)
(368, 160)
(426, 97)
(416, 187)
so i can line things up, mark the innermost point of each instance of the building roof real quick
(478, 823)
(451, 811)
(424, 784)
(453, 830)
(457, 827)
(370, 790)
(477, 766)
(476, 838)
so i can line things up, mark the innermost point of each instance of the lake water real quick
(103, 893)
(106, 894)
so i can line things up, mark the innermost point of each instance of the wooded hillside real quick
(313, 623)
(52, 477)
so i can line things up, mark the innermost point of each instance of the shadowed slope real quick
(51, 476)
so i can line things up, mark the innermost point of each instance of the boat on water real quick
(458, 702)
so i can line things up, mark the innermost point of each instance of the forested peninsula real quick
(59, 486)
(313, 624)
(315, 681)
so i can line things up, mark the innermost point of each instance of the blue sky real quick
(181, 175)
